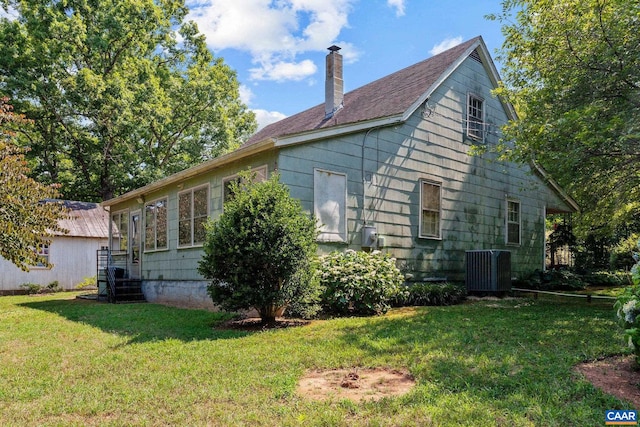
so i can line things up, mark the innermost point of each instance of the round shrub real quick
(359, 283)
(259, 252)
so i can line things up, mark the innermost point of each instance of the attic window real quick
(475, 56)
(475, 117)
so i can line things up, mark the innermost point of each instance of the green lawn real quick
(73, 362)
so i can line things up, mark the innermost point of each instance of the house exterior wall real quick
(383, 168)
(430, 145)
(73, 259)
(171, 276)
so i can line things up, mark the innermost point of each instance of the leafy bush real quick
(359, 283)
(258, 253)
(53, 287)
(31, 288)
(621, 255)
(606, 279)
(431, 294)
(87, 282)
(628, 309)
(553, 280)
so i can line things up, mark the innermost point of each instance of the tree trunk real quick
(268, 314)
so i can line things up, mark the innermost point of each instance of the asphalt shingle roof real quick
(388, 96)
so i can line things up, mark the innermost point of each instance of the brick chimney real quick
(333, 85)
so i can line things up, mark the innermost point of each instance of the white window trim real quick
(121, 212)
(420, 231)
(507, 222)
(155, 240)
(470, 132)
(326, 237)
(48, 257)
(192, 220)
(228, 178)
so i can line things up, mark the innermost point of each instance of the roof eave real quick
(555, 186)
(303, 137)
(217, 162)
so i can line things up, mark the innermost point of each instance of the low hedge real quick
(428, 293)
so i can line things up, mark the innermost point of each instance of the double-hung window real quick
(119, 231)
(155, 225)
(193, 211)
(43, 255)
(475, 117)
(513, 222)
(430, 209)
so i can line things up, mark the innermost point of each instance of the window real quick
(260, 175)
(119, 231)
(43, 255)
(430, 209)
(475, 117)
(513, 222)
(155, 226)
(330, 205)
(193, 210)
(227, 192)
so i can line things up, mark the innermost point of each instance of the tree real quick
(121, 92)
(572, 69)
(25, 219)
(258, 253)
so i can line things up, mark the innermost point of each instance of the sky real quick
(277, 47)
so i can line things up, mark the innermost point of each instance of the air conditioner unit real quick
(488, 271)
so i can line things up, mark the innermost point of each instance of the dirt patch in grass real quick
(355, 384)
(618, 376)
(253, 324)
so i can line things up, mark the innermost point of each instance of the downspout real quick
(108, 210)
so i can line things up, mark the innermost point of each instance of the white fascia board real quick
(335, 131)
(554, 185)
(193, 171)
(489, 65)
(445, 75)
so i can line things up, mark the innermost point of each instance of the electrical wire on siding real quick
(429, 111)
(363, 174)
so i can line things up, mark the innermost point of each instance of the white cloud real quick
(445, 44)
(398, 5)
(274, 32)
(246, 94)
(265, 117)
(9, 12)
(282, 71)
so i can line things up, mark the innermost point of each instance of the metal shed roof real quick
(85, 219)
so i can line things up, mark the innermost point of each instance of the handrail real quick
(111, 278)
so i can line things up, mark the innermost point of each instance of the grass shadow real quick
(142, 322)
(514, 354)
